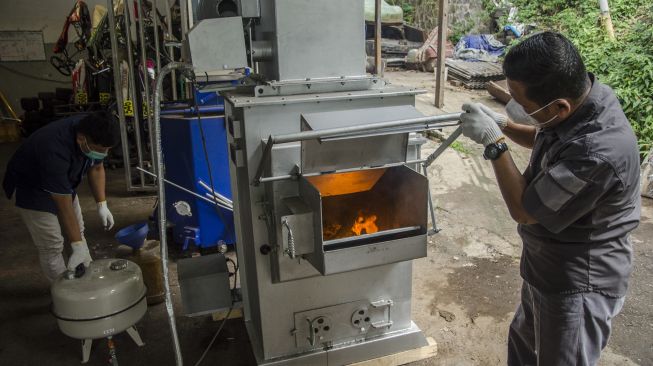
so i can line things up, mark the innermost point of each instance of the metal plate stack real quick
(474, 74)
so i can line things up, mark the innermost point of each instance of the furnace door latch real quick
(385, 323)
(291, 250)
(317, 328)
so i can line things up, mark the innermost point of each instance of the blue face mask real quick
(91, 154)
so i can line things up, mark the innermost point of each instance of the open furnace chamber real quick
(358, 205)
(363, 218)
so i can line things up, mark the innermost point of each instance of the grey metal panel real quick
(323, 85)
(317, 39)
(204, 284)
(270, 325)
(217, 45)
(353, 153)
(284, 158)
(333, 325)
(242, 227)
(250, 8)
(363, 256)
(241, 99)
(407, 339)
(415, 142)
(312, 197)
(411, 207)
(301, 224)
(320, 156)
(353, 117)
(389, 343)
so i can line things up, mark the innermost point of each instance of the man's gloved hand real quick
(80, 255)
(105, 215)
(478, 126)
(500, 119)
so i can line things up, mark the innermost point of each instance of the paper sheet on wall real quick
(21, 46)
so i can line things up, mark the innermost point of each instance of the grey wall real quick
(47, 16)
(467, 15)
(15, 86)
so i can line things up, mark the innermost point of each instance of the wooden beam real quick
(220, 315)
(402, 358)
(378, 61)
(440, 76)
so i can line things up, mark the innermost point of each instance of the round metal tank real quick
(107, 299)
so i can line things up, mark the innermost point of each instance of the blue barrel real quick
(197, 221)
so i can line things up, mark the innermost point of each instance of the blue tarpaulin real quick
(482, 47)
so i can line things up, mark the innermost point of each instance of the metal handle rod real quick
(160, 171)
(343, 131)
(428, 161)
(275, 178)
(197, 195)
(434, 222)
(388, 131)
(226, 200)
(443, 146)
(331, 132)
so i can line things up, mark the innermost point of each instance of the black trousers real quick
(560, 330)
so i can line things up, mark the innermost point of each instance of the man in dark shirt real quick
(576, 203)
(44, 173)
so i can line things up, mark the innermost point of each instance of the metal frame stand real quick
(136, 121)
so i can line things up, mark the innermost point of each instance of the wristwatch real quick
(494, 150)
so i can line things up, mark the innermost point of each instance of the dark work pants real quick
(560, 330)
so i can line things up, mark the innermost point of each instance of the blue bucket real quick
(133, 235)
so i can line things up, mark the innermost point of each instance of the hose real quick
(160, 172)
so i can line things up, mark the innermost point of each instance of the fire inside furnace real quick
(375, 201)
(364, 225)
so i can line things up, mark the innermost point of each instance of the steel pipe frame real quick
(146, 86)
(171, 51)
(118, 90)
(132, 87)
(155, 25)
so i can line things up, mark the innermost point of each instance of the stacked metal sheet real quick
(474, 74)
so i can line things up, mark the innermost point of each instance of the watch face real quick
(492, 151)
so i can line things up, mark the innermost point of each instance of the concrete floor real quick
(465, 291)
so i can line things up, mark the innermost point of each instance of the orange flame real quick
(363, 223)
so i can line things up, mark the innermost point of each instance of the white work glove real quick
(478, 126)
(80, 255)
(500, 119)
(105, 215)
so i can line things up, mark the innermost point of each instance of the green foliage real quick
(458, 146)
(422, 13)
(625, 64)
